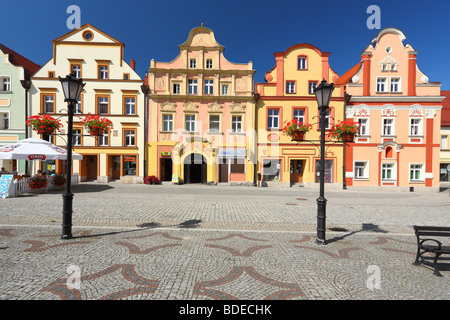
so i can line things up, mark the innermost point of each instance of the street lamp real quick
(323, 95)
(72, 87)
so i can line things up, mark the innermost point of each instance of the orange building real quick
(399, 111)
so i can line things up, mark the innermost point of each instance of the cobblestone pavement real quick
(218, 242)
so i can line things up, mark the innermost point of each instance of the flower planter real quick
(95, 131)
(347, 137)
(46, 130)
(298, 135)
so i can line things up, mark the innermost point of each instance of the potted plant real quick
(345, 130)
(296, 130)
(152, 180)
(96, 124)
(38, 182)
(59, 179)
(43, 124)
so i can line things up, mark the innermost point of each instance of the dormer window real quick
(192, 63)
(389, 64)
(209, 64)
(302, 63)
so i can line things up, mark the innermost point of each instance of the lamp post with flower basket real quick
(43, 124)
(345, 130)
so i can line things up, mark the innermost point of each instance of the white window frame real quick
(393, 168)
(236, 124)
(77, 134)
(130, 106)
(190, 123)
(385, 84)
(365, 126)
(103, 139)
(78, 106)
(102, 104)
(167, 122)
(103, 72)
(300, 118)
(419, 127)
(272, 117)
(130, 138)
(225, 89)
(312, 85)
(6, 84)
(419, 168)
(383, 125)
(48, 102)
(209, 64)
(76, 68)
(209, 86)
(216, 122)
(192, 86)
(302, 63)
(444, 142)
(290, 86)
(361, 172)
(399, 84)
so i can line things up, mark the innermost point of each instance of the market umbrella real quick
(35, 149)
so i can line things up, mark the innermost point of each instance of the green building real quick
(15, 73)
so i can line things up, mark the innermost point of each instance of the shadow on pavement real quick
(368, 227)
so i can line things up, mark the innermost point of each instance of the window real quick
(299, 114)
(76, 137)
(103, 105)
(192, 63)
(6, 84)
(312, 86)
(388, 127)
(363, 127)
(129, 166)
(76, 69)
(214, 123)
(176, 88)
(327, 121)
(381, 85)
(49, 104)
(415, 126)
(103, 72)
(225, 91)
(273, 118)
(236, 124)
(395, 85)
(328, 174)
(168, 122)
(48, 137)
(415, 172)
(361, 171)
(130, 105)
(192, 86)
(51, 74)
(301, 63)
(190, 123)
(78, 105)
(209, 64)
(387, 171)
(103, 140)
(290, 86)
(444, 143)
(126, 76)
(271, 170)
(209, 86)
(130, 138)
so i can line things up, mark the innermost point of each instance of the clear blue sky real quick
(250, 30)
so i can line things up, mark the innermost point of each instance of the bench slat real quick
(435, 234)
(435, 228)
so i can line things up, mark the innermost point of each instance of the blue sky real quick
(250, 30)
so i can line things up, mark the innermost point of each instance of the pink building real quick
(399, 111)
(201, 115)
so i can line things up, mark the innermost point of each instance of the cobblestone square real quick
(196, 242)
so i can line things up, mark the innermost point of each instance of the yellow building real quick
(201, 115)
(289, 94)
(112, 90)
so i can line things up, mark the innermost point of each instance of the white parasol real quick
(35, 149)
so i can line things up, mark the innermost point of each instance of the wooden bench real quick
(426, 243)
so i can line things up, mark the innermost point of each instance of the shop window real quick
(271, 170)
(129, 165)
(328, 174)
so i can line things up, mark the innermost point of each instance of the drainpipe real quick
(255, 144)
(145, 90)
(26, 84)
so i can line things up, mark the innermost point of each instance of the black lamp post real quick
(323, 95)
(72, 87)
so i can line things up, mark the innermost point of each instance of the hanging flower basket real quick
(345, 130)
(43, 124)
(296, 130)
(59, 179)
(96, 125)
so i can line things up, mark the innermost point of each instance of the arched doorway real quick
(195, 169)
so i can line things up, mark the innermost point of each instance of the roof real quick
(445, 113)
(345, 78)
(19, 60)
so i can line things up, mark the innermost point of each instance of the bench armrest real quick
(438, 242)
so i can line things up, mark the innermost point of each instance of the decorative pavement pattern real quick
(190, 260)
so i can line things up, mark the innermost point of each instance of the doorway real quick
(296, 169)
(166, 169)
(195, 169)
(223, 170)
(114, 167)
(91, 167)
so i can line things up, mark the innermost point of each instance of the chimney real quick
(133, 64)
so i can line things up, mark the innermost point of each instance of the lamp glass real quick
(323, 93)
(72, 87)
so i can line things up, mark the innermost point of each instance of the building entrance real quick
(195, 169)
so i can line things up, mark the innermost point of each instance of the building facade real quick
(288, 94)
(399, 111)
(15, 72)
(445, 138)
(201, 115)
(112, 90)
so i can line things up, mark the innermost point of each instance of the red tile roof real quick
(445, 113)
(19, 60)
(345, 78)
